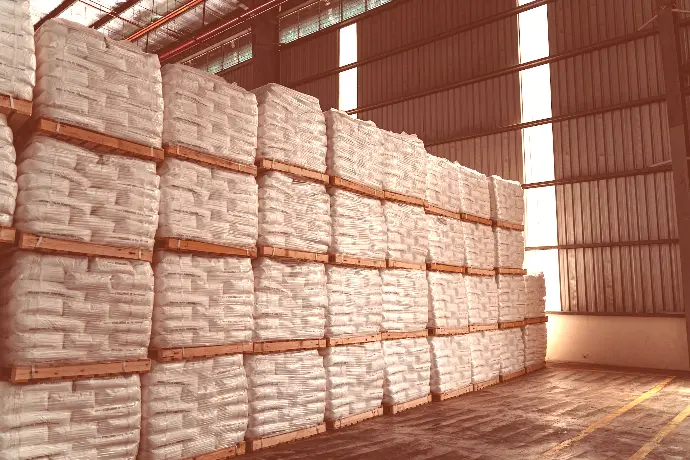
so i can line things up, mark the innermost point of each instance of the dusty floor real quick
(554, 413)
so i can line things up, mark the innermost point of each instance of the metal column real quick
(266, 55)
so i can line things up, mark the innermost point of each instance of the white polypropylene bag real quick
(405, 300)
(482, 299)
(355, 301)
(407, 232)
(512, 350)
(407, 370)
(404, 164)
(507, 200)
(446, 241)
(486, 355)
(448, 302)
(534, 336)
(511, 298)
(442, 185)
(509, 248)
(479, 246)
(474, 191)
(17, 56)
(451, 363)
(535, 296)
(358, 225)
(8, 171)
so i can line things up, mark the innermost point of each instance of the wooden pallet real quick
(483, 327)
(508, 225)
(200, 247)
(262, 443)
(439, 397)
(281, 346)
(8, 235)
(535, 367)
(511, 324)
(439, 211)
(480, 272)
(404, 265)
(400, 198)
(404, 335)
(265, 164)
(223, 454)
(55, 246)
(486, 383)
(341, 259)
(434, 267)
(164, 355)
(338, 341)
(514, 375)
(17, 111)
(446, 331)
(39, 372)
(353, 419)
(510, 271)
(205, 159)
(475, 219)
(542, 319)
(92, 140)
(355, 187)
(393, 409)
(281, 253)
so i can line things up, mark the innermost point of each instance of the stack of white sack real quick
(407, 371)
(447, 300)
(291, 300)
(17, 56)
(67, 192)
(193, 408)
(442, 185)
(535, 296)
(405, 300)
(534, 336)
(358, 225)
(511, 298)
(509, 248)
(8, 170)
(512, 350)
(85, 419)
(507, 200)
(90, 80)
(208, 204)
(355, 149)
(482, 299)
(355, 303)
(293, 213)
(404, 164)
(407, 232)
(474, 192)
(486, 355)
(201, 301)
(292, 128)
(286, 392)
(354, 379)
(206, 113)
(74, 309)
(480, 248)
(451, 363)
(446, 241)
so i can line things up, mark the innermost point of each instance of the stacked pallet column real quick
(534, 331)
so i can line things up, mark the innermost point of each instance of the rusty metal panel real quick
(303, 59)
(242, 74)
(325, 89)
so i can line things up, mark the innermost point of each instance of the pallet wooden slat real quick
(535, 367)
(55, 246)
(262, 443)
(338, 341)
(393, 409)
(510, 271)
(400, 198)
(280, 346)
(354, 419)
(205, 159)
(541, 319)
(511, 324)
(404, 335)
(508, 225)
(476, 219)
(223, 454)
(17, 111)
(480, 271)
(264, 164)
(347, 261)
(304, 256)
(439, 397)
(404, 265)
(483, 327)
(201, 247)
(486, 383)
(446, 331)
(164, 355)
(514, 375)
(438, 211)
(25, 374)
(8, 235)
(445, 268)
(355, 187)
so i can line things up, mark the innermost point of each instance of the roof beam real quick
(165, 19)
(57, 11)
(115, 12)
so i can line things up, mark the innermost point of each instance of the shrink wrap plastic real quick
(448, 303)
(404, 164)
(507, 200)
(354, 379)
(512, 350)
(442, 184)
(486, 355)
(355, 301)
(407, 232)
(208, 204)
(74, 309)
(291, 300)
(482, 299)
(193, 407)
(358, 225)
(71, 193)
(90, 80)
(451, 363)
(293, 213)
(511, 298)
(407, 370)
(480, 249)
(90, 419)
(201, 301)
(292, 128)
(286, 392)
(8, 169)
(535, 296)
(509, 248)
(206, 113)
(534, 336)
(355, 149)
(405, 300)
(17, 56)
(474, 192)
(446, 241)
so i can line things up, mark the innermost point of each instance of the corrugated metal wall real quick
(242, 74)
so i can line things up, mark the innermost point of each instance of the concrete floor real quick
(588, 414)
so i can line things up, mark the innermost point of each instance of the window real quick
(347, 80)
(223, 55)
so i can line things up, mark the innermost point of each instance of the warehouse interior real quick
(579, 105)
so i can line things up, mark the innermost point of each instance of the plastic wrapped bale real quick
(512, 351)
(291, 300)
(407, 232)
(447, 300)
(446, 241)
(479, 246)
(509, 247)
(83, 419)
(354, 379)
(474, 192)
(355, 302)
(292, 128)
(8, 168)
(482, 299)
(405, 300)
(287, 392)
(208, 204)
(193, 408)
(206, 113)
(442, 185)
(358, 225)
(201, 301)
(486, 355)
(293, 213)
(355, 149)
(407, 370)
(88, 79)
(17, 56)
(404, 164)
(71, 193)
(534, 336)
(507, 200)
(74, 309)
(535, 296)
(451, 363)
(511, 298)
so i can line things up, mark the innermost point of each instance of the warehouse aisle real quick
(571, 413)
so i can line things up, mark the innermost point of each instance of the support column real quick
(265, 53)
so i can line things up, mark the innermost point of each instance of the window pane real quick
(353, 8)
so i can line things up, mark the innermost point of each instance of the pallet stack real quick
(534, 331)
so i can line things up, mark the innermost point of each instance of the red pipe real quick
(167, 18)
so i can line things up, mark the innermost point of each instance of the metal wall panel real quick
(242, 74)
